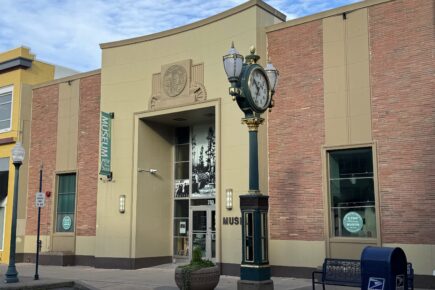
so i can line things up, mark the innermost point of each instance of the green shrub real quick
(196, 263)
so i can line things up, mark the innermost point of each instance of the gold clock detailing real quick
(254, 192)
(252, 58)
(253, 122)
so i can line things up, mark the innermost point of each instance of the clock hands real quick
(256, 84)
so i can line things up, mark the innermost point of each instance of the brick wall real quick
(87, 157)
(296, 134)
(42, 149)
(403, 113)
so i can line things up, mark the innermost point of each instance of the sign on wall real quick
(106, 138)
(352, 222)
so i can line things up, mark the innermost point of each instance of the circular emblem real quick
(66, 223)
(352, 222)
(174, 80)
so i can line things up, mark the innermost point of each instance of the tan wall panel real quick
(357, 49)
(30, 243)
(334, 81)
(154, 191)
(348, 250)
(333, 29)
(296, 253)
(85, 246)
(113, 232)
(63, 244)
(67, 126)
(334, 51)
(346, 79)
(337, 133)
(422, 257)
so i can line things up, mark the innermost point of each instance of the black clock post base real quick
(254, 285)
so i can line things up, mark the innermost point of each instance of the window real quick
(352, 195)
(182, 163)
(181, 191)
(5, 108)
(248, 243)
(66, 201)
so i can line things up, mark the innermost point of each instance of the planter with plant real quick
(200, 274)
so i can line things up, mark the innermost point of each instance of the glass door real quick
(203, 225)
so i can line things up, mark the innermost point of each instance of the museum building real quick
(351, 158)
(148, 156)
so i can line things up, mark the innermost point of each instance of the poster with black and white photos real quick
(203, 160)
(181, 188)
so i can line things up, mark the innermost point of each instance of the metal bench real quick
(346, 272)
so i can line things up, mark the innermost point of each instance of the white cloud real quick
(69, 32)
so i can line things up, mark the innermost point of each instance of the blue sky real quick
(68, 32)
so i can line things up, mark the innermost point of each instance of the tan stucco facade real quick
(142, 135)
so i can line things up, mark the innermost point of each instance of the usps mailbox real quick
(383, 269)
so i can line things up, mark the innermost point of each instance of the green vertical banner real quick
(106, 138)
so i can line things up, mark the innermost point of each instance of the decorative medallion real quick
(174, 80)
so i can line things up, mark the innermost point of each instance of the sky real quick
(68, 32)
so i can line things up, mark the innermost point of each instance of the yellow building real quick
(19, 70)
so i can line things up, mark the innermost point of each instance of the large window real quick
(66, 203)
(352, 193)
(5, 108)
(181, 191)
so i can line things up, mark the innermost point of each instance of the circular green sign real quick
(66, 223)
(352, 222)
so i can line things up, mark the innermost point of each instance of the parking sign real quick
(40, 199)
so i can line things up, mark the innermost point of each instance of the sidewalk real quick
(155, 278)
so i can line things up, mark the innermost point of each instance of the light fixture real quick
(122, 203)
(272, 74)
(229, 194)
(17, 159)
(18, 153)
(233, 62)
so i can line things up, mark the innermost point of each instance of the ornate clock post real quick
(252, 87)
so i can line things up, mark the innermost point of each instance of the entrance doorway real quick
(203, 234)
(195, 190)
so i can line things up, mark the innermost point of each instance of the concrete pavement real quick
(154, 278)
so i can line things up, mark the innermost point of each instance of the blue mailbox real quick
(383, 269)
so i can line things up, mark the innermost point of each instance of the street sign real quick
(40, 199)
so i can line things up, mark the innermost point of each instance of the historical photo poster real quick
(181, 188)
(203, 160)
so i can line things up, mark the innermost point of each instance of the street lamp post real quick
(252, 87)
(17, 159)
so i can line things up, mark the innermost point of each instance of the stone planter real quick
(202, 279)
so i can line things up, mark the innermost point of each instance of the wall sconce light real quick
(122, 203)
(229, 194)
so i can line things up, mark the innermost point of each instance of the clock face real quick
(259, 88)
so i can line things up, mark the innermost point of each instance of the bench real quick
(346, 272)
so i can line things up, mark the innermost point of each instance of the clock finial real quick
(252, 58)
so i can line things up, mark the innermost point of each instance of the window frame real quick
(56, 201)
(5, 90)
(330, 237)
